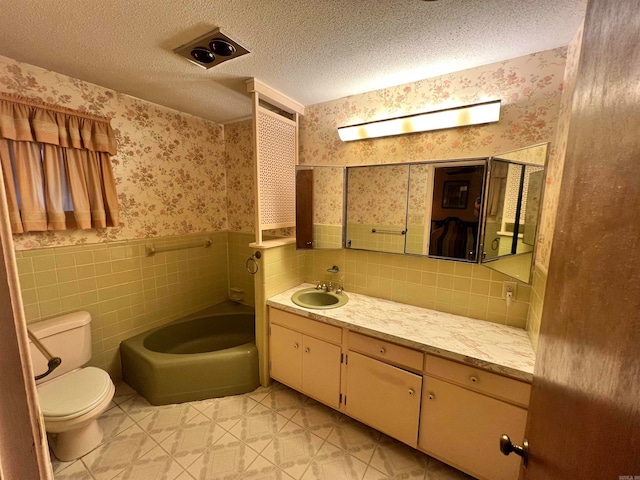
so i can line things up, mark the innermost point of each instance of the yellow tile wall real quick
(239, 252)
(126, 291)
(537, 299)
(454, 287)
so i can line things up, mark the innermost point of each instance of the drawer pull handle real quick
(307, 350)
(432, 396)
(295, 345)
(383, 351)
(474, 379)
(411, 391)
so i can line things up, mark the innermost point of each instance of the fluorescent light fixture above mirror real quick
(487, 112)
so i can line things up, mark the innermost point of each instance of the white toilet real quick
(71, 397)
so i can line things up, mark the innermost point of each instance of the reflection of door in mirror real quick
(377, 207)
(419, 208)
(319, 207)
(455, 212)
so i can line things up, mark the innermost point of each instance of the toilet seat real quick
(73, 394)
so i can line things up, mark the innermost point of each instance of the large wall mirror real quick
(472, 210)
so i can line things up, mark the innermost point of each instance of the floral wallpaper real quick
(328, 195)
(240, 176)
(378, 195)
(555, 163)
(170, 167)
(530, 88)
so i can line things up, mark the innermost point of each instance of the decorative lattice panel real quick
(276, 171)
(511, 198)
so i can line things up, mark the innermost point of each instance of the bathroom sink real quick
(319, 299)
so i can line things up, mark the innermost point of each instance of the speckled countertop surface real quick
(498, 348)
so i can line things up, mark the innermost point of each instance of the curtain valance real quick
(28, 120)
(55, 165)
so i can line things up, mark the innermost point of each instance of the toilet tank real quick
(68, 337)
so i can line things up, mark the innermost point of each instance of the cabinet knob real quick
(473, 379)
(411, 391)
(306, 350)
(295, 345)
(383, 351)
(432, 396)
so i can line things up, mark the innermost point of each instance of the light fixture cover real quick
(221, 47)
(479, 113)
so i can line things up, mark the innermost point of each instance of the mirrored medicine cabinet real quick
(482, 210)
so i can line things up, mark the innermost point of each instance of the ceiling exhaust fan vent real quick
(211, 49)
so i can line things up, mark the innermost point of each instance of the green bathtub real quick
(209, 354)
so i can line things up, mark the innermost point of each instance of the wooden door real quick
(460, 427)
(584, 420)
(285, 349)
(383, 396)
(304, 209)
(321, 371)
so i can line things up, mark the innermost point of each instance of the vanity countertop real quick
(498, 348)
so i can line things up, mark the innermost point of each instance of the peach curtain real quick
(55, 162)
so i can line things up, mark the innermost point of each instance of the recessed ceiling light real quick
(222, 47)
(211, 49)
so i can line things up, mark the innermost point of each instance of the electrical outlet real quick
(509, 287)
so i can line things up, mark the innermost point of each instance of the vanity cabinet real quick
(306, 355)
(384, 397)
(464, 412)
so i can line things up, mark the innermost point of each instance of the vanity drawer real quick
(304, 325)
(508, 389)
(386, 351)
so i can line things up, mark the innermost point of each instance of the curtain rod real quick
(35, 102)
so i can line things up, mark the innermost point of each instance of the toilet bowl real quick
(72, 397)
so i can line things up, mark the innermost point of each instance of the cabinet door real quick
(384, 397)
(464, 427)
(321, 371)
(285, 348)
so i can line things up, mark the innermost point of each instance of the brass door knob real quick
(506, 447)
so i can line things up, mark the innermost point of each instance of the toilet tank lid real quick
(54, 325)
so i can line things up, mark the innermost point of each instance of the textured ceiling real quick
(312, 51)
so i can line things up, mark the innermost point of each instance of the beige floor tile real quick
(284, 401)
(192, 439)
(71, 471)
(167, 419)
(227, 411)
(225, 460)
(332, 463)
(293, 449)
(258, 427)
(123, 393)
(317, 418)
(116, 454)
(114, 421)
(155, 465)
(355, 438)
(263, 469)
(137, 408)
(398, 460)
(373, 474)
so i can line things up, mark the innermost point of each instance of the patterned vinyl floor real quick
(271, 433)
